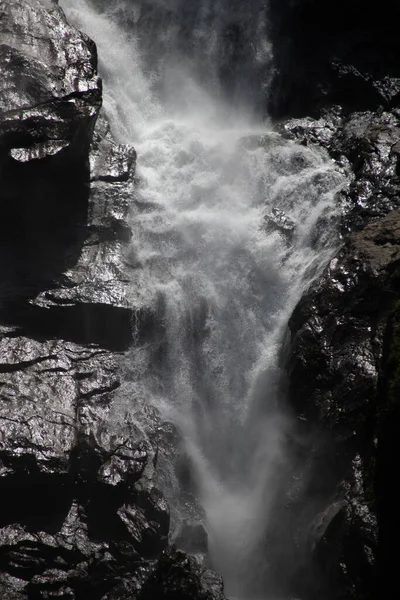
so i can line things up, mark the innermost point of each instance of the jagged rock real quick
(340, 329)
(57, 60)
(47, 392)
(109, 161)
(279, 221)
(344, 537)
(179, 577)
(11, 587)
(370, 142)
(80, 516)
(344, 311)
(342, 367)
(50, 96)
(366, 145)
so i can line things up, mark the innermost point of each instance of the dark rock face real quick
(80, 515)
(337, 83)
(330, 53)
(50, 96)
(343, 385)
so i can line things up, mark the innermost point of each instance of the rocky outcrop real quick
(367, 145)
(81, 517)
(337, 84)
(50, 96)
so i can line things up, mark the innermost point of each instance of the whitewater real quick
(230, 224)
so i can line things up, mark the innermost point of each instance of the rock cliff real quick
(80, 515)
(343, 386)
(337, 84)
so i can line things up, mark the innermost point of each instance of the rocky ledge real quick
(81, 517)
(367, 145)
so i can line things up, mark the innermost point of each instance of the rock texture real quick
(342, 357)
(367, 145)
(337, 86)
(80, 517)
(343, 372)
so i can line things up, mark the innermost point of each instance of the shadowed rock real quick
(343, 375)
(80, 514)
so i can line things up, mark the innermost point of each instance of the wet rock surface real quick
(343, 372)
(81, 517)
(366, 145)
(50, 96)
(337, 367)
(337, 87)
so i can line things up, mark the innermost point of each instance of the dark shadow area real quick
(82, 323)
(38, 501)
(383, 478)
(43, 226)
(333, 53)
(44, 222)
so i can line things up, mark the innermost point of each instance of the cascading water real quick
(230, 224)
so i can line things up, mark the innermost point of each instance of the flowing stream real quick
(230, 225)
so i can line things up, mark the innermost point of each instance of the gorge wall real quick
(338, 75)
(334, 53)
(81, 517)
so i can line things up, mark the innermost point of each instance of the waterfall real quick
(230, 225)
